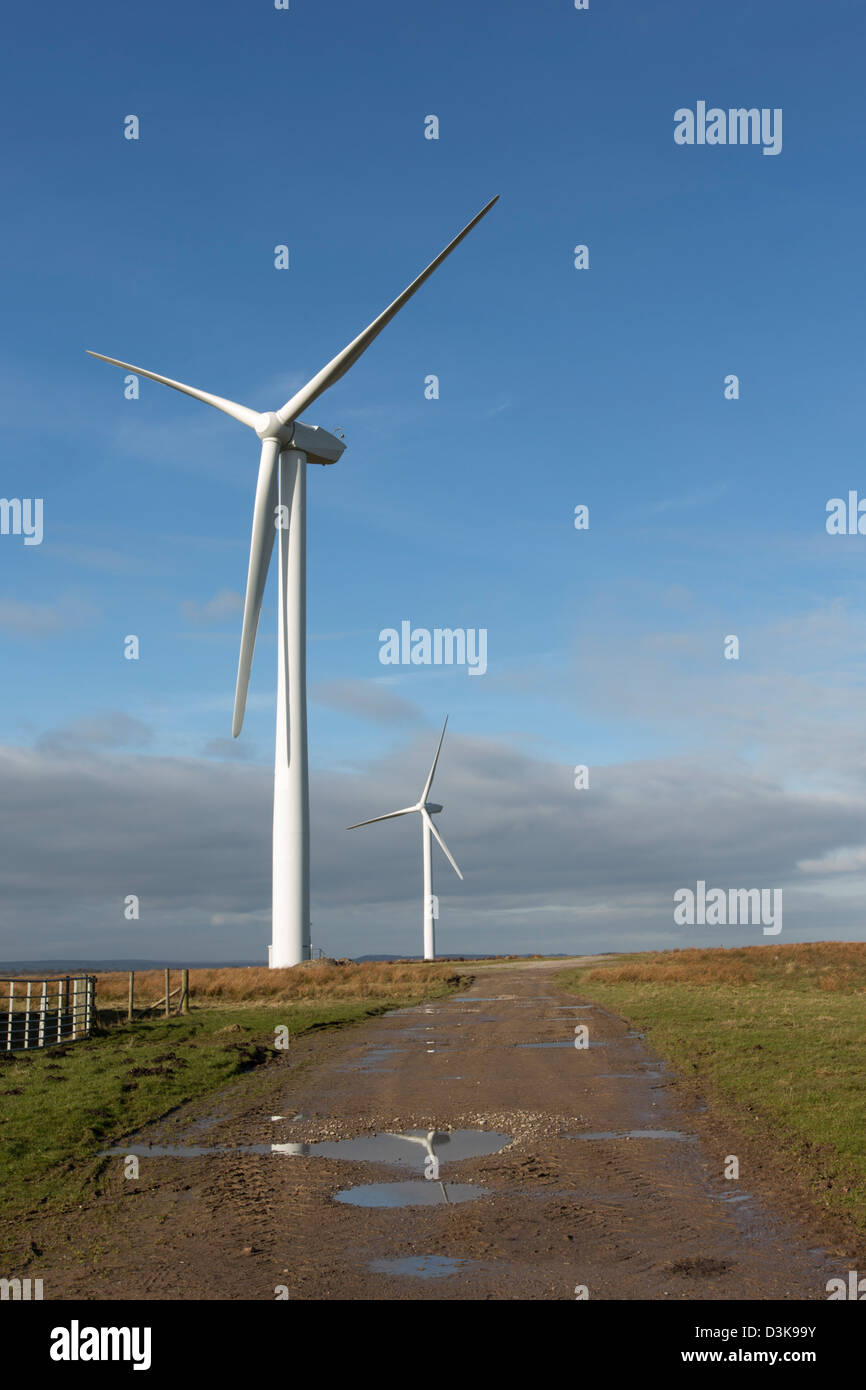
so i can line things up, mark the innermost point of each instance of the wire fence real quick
(42, 1013)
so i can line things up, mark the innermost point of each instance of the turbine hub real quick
(269, 427)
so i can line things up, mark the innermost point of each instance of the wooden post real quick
(184, 992)
(75, 1008)
(89, 999)
(167, 1000)
(9, 1023)
(27, 1015)
(130, 1009)
(43, 1005)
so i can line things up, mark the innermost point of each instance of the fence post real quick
(27, 1015)
(75, 1008)
(167, 988)
(9, 1023)
(184, 991)
(43, 1004)
(130, 1009)
(89, 999)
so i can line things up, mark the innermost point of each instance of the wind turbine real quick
(288, 446)
(426, 809)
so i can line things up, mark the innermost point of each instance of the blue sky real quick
(557, 387)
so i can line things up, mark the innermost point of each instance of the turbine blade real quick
(261, 548)
(340, 364)
(390, 816)
(237, 412)
(428, 784)
(448, 853)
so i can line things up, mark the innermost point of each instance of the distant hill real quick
(20, 967)
(71, 965)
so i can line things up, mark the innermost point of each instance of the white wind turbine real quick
(426, 809)
(280, 503)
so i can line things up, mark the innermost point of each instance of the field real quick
(775, 1038)
(60, 1106)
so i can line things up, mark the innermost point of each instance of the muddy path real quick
(642, 1211)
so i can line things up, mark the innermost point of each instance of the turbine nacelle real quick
(318, 445)
(432, 808)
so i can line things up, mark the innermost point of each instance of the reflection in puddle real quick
(569, 1042)
(413, 1147)
(733, 1196)
(417, 1193)
(420, 1266)
(638, 1134)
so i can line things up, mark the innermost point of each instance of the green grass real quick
(58, 1111)
(778, 1047)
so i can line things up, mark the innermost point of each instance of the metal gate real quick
(42, 1013)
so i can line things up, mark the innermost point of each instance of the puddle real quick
(410, 1149)
(420, 1266)
(638, 1134)
(202, 1125)
(418, 1193)
(199, 1150)
(569, 1042)
(732, 1196)
(481, 998)
(371, 1060)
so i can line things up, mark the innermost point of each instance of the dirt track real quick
(629, 1218)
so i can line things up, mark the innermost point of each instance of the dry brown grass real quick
(259, 985)
(833, 966)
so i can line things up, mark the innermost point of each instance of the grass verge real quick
(775, 1037)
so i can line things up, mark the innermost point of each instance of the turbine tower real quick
(426, 809)
(288, 446)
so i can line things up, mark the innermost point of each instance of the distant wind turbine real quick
(426, 809)
(280, 503)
